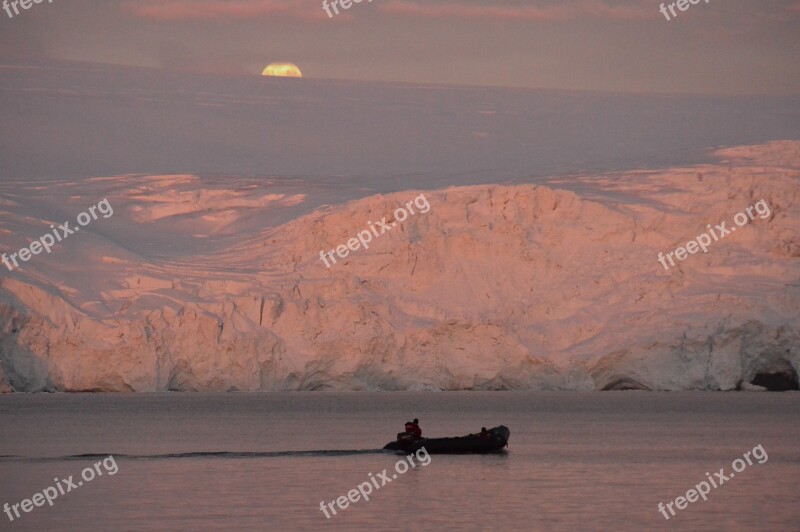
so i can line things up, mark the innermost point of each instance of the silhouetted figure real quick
(413, 428)
(485, 433)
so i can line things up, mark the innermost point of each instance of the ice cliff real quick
(528, 286)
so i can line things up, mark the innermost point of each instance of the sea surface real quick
(265, 461)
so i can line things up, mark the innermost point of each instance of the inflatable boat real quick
(493, 442)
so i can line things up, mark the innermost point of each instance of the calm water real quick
(593, 461)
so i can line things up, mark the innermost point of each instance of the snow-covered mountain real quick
(203, 281)
(519, 286)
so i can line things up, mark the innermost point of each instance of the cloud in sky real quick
(222, 10)
(625, 10)
(551, 11)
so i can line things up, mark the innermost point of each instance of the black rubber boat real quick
(469, 444)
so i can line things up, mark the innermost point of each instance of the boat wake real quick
(199, 454)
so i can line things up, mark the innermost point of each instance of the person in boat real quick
(485, 433)
(412, 427)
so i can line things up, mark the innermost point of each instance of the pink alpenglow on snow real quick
(703, 241)
(47, 241)
(495, 289)
(365, 237)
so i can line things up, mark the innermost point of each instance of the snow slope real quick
(537, 269)
(75, 120)
(204, 283)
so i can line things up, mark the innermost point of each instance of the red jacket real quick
(414, 429)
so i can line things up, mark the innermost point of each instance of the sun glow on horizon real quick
(284, 70)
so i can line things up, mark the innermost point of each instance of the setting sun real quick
(286, 70)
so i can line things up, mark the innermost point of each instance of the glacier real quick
(536, 267)
(552, 286)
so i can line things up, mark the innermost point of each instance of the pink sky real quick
(735, 46)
